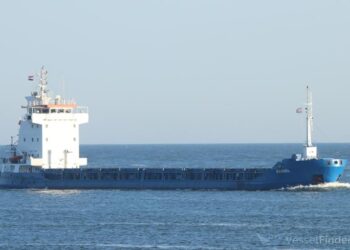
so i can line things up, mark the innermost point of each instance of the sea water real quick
(303, 217)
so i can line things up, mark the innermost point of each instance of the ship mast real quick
(310, 150)
(43, 97)
(309, 118)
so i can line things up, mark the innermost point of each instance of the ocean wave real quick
(55, 192)
(319, 187)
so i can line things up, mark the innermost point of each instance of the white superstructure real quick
(49, 131)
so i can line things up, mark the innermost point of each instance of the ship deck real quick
(154, 174)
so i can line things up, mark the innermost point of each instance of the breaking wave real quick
(320, 187)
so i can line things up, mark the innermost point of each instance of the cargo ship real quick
(46, 156)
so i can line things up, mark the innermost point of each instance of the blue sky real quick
(183, 71)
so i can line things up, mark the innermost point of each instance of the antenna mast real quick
(39, 97)
(310, 150)
(43, 86)
(309, 118)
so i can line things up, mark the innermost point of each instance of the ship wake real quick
(324, 187)
(55, 192)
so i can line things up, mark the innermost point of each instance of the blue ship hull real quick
(288, 173)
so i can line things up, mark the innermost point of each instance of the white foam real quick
(56, 192)
(320, 187)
